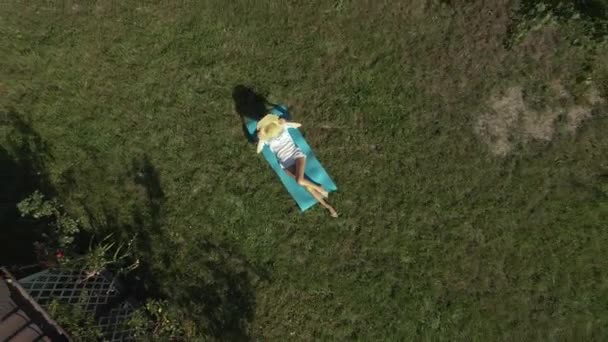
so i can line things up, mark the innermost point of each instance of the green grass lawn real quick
(440, 237)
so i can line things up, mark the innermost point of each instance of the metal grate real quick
(114, 325)
(70, 287)
(97, 295)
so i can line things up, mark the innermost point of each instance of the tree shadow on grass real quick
(23, 155)
(212, 286)
(145, 175)
(209, 284)
(218, 290)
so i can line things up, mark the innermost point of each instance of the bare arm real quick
(260, 145)
(290, 124)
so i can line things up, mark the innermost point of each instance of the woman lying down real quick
(272, 131)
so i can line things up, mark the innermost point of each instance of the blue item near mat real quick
(314, 170)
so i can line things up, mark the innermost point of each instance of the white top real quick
(283, 147)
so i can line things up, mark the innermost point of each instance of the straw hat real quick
(269, 127)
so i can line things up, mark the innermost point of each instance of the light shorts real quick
(291, 160)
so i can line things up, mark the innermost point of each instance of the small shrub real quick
(158, 321)
(63, 227)
(80, 325)
(589, 16)
(104, 255)
(60, 238)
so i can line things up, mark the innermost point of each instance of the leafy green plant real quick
(589, 16)
(100, 256)
(158, 321)
(105, 255)
(63, 227)
(79, 324)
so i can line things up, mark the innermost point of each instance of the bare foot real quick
(333, 213)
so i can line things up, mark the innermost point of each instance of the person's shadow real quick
(251, 105)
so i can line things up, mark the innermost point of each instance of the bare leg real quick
(317, 195)
(301, 179)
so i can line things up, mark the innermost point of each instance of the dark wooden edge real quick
(38, 315)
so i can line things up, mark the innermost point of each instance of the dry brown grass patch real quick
(511, 120)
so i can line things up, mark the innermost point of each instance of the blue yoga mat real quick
(314, 170)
